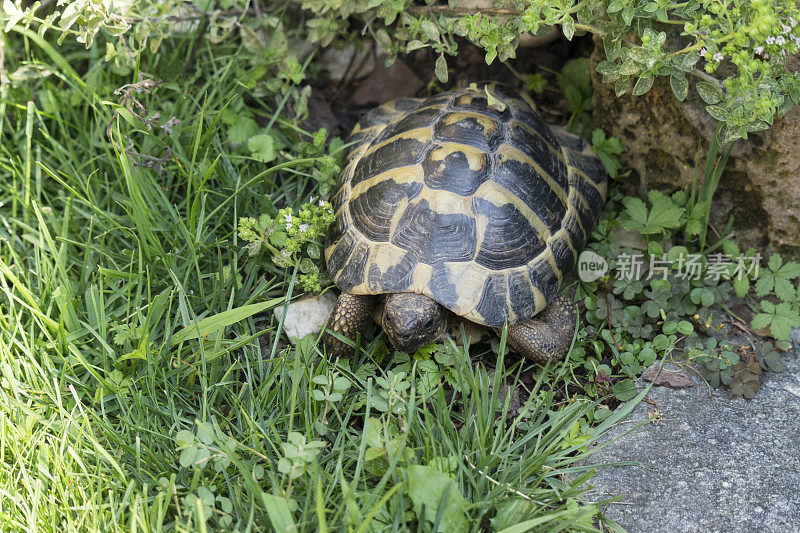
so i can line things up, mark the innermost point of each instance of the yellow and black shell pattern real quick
(467, 197)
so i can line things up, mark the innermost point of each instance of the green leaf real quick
(574, 98)
(785, 318)
(616, 5)
(664, 214)
(689, 60)
(606, 67)
(611, 164)
(643, 85)
(711, 94)
(780, 319)
(627, 14)
(383, 40)
(629, 68)
(741, 285)
(775, 262)
(778, 277)
(212, 324)
(624, 390)
(184, 437)
(680, 87)
(790, 270)
(621, 86)
(415, 45)
(279, 513)
(568, 27)
(636, 209)
(612, 46)
(612, 145)
(262, 147)
(188, 455)
(241, 129)
(14, 14)
(430, 30)
(441, 69)
(764, 283)
(434, 493)
(761, 321)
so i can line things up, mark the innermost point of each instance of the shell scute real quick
(455, 171)
(397, 153)
(508, 239)
(527, 184)
(352, 272)
(545, 154)
(372, 213)
(435, 237)
(493, 304)
(470, 128)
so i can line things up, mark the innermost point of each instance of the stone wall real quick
(667, 140)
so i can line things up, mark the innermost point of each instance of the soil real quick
(336, 102)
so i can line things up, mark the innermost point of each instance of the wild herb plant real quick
(292, 238)
(668, 289)
(744, 43)
(735, 53)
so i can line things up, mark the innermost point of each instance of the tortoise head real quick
(412, 321)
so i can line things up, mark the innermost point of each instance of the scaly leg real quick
(348, 318)
(547, 335)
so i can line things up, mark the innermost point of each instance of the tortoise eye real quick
(428, 324)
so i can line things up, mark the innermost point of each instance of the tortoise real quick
(465, 205)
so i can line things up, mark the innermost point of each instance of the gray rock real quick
(339, 63)
(711, 463)
(387, 83)
(307, 315)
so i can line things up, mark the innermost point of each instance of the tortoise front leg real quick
(547, 335)
(348, 318)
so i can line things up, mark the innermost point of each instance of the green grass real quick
(145, 382)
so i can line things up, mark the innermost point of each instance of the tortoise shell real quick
(467, 197)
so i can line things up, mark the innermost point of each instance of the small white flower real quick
(322, 203)
(796, 40)
(770, 40)
(288, 217)
(302, 228)
(702, 52)
(792, 22)
(718, 57)
(785, 28)
(288, 226)
(780, 40)
(311, 199)
(759, 50)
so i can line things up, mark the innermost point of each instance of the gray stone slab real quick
(713, 463)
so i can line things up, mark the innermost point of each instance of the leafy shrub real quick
(746, 42)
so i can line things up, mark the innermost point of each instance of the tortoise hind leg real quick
(548, 335)
(348, 318)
